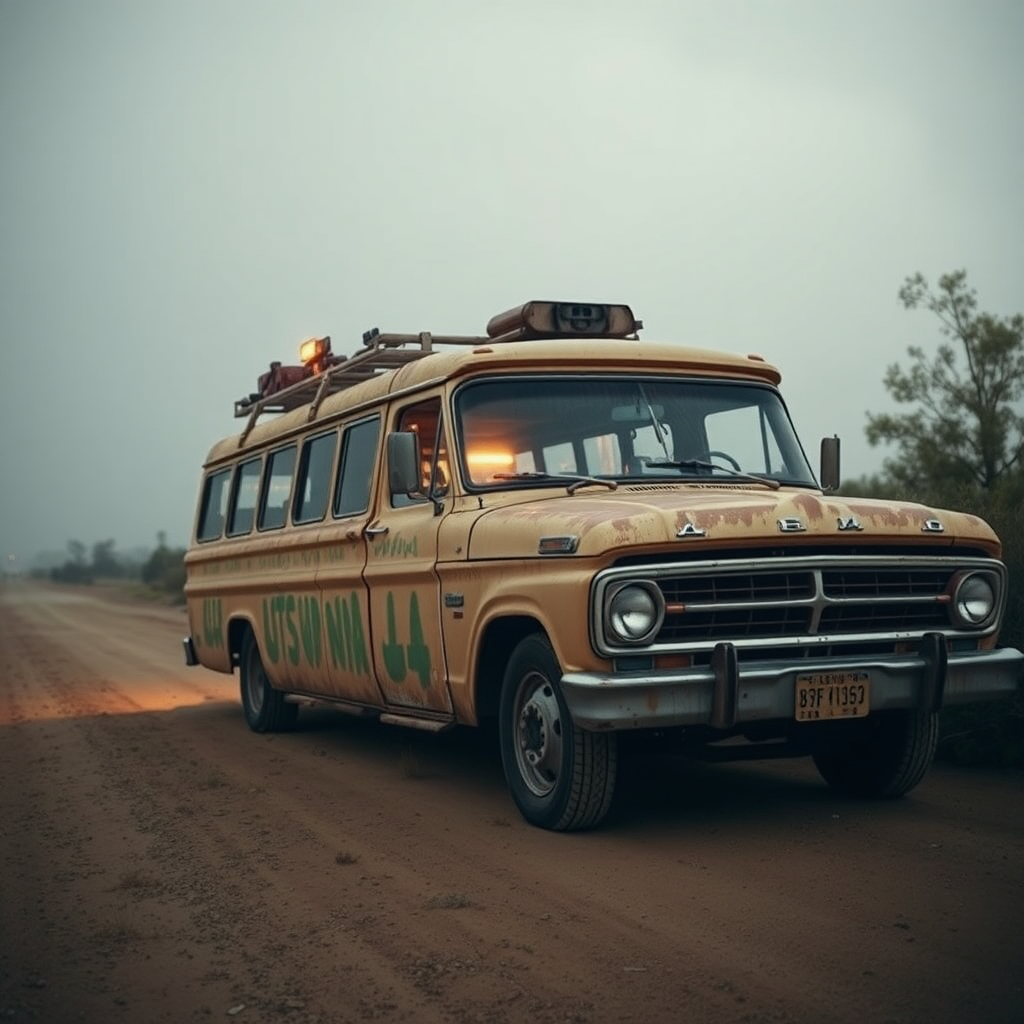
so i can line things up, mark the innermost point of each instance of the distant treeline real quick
(163, 571)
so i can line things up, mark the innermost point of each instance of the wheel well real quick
(237, 630)
(500, 638)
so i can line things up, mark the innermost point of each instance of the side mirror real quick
(404, 463)
(829, 474)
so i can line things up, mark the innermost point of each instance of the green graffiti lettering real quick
(345, 637)
(396, 547)
(394, 653)
(213, 622)
(288, 606)
(417, 652)
(271, 632)
(357, 644)
(310, 628)
(337, 635)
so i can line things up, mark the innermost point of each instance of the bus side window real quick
(214, 505)
(243, 502)
(355, 469)
(422, 420)
(314, 478)
(277, 489)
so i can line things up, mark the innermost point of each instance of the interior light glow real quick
(502, 460)
(485, 463)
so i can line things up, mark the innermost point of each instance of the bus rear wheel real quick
(265, 708)
(560, 776)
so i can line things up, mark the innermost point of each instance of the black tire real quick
(560, 776)
(884, 756)
(265, 708)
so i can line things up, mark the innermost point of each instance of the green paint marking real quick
(311, 629)
(280, 633)
(396, 547)
(294, 629)
(415, 655)
(213, 622)
(271, 634)
(417, 652)
(288, 600)
(393, 652)
(345, 639)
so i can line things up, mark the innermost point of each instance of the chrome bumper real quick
(729, 693)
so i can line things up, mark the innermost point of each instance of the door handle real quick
(375, 531)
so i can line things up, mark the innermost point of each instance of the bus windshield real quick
(528, 431)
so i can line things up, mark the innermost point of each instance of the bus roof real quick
(489, 357)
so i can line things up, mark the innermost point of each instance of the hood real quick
(713, 517)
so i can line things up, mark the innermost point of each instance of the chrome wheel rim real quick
(538, 734)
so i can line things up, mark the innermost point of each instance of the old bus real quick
(572, 533)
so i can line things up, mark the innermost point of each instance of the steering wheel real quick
(714, 453)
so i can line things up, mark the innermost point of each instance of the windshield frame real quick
(773, 408)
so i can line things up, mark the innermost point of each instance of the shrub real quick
(165, 570)
(990, 733)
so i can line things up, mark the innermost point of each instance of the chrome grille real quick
(761, 603)
(752, 587)
(869, 584)
(727, 624)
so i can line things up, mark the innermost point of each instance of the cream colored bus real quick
(576, 533)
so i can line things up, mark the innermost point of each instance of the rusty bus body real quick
(578, 534)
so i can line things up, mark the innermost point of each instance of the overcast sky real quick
(188, 189)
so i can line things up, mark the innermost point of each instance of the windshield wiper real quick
(578, 481)
(701, 464)
(658, 432)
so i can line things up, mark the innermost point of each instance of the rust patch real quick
(810, 504)
(624, 530)
(886, 515)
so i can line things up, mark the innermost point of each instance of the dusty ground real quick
(161, 863)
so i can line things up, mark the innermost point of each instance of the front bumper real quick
(729, 693)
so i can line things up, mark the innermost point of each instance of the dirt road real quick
(161, 863)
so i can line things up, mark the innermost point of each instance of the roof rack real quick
(384, 352)
(284, 388)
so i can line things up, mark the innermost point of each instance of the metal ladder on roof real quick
(384, 352)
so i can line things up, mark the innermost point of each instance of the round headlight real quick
(634, 613)
(974, 599)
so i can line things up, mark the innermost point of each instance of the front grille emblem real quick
(849, 523)
(689, 530)
(792, 525)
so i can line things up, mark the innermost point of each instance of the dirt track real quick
(160, 863)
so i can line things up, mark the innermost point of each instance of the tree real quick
(165, 568)
(104, 561)
(967, 427)
(76, 569)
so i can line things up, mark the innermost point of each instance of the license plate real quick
(821, 695)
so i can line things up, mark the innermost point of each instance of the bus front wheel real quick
(560, 776)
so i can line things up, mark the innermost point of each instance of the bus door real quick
(405, 612)
(342, 546)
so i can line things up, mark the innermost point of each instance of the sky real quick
(188, 189)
